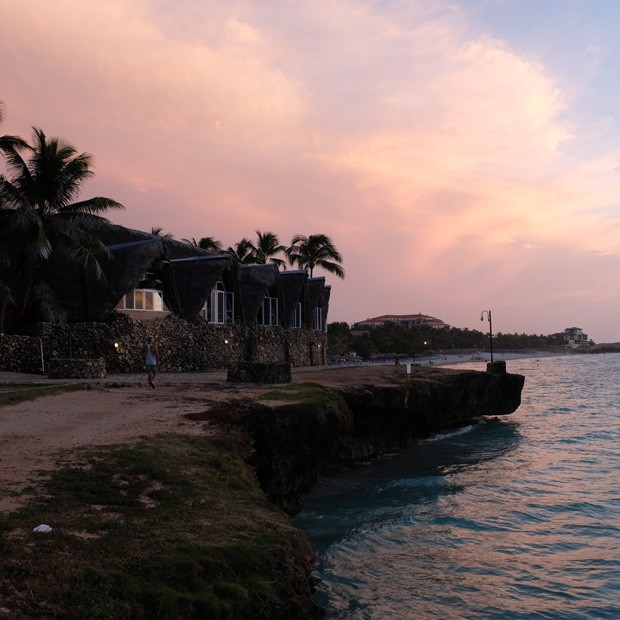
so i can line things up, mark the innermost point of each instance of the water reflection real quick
(362, 497)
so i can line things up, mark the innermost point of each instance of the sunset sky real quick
(463, 155)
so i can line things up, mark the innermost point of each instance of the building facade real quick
(410, 321)
(574, 337)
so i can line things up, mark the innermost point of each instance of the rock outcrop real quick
(309, 428)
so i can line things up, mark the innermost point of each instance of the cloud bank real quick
(444, 164)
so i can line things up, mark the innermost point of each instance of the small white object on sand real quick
(42, 528)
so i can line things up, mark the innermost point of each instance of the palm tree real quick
(10, 142)
(243, 251)
(39, 195)
(267, 246)
(7, 144)
(158, 231)
(210, 244)
(315, 251)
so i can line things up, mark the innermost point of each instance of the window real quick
(220, 307)
(143, 299)
(297, 316)
(269, 312)
(317, 320)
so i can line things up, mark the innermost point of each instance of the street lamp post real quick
(488, 313)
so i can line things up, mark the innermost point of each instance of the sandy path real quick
(32, 434)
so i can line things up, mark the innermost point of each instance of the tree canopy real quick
(315, 251)
(42, 218)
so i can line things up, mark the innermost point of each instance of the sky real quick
(463, 155)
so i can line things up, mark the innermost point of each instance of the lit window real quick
(220, 306)
(143, 299)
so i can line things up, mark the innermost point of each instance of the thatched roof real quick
(82, 296)
(315, 296)
(254, 282)
(194, 278)
(327, 291)
(315, 292)
(131, 253)
(293, 291)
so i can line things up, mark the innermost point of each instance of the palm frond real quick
(5, 293)
(16, 164)
(315, 250)
(158, 231)
(44, 297)
(244, 251)
(94, 206)
(211, 244)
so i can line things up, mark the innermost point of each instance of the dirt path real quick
(33, 434)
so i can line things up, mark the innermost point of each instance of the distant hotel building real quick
(410, 321)
(574, 337)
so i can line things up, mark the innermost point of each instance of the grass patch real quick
(174, 527)
(312, 396)
(13, 393)
(322, 411)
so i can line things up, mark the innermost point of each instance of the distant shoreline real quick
(451, 359)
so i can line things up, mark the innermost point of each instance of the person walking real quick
(151, 360)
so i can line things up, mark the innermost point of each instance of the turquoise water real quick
(514, 517)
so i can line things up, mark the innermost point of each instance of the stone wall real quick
(76, 368)
(20, 354)
(184, 346)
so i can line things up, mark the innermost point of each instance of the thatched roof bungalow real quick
(147, 276)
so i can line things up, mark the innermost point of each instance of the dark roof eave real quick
(200, 258)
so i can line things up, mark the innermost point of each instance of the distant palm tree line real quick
(305, 252)
(41, 219)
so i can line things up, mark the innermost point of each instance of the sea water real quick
(513, 517)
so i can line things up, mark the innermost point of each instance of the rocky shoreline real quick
(308, 433)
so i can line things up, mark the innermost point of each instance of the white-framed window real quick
(297, 316)
(269, 312)
(143, 299)
(317, 320)
(220, 306)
